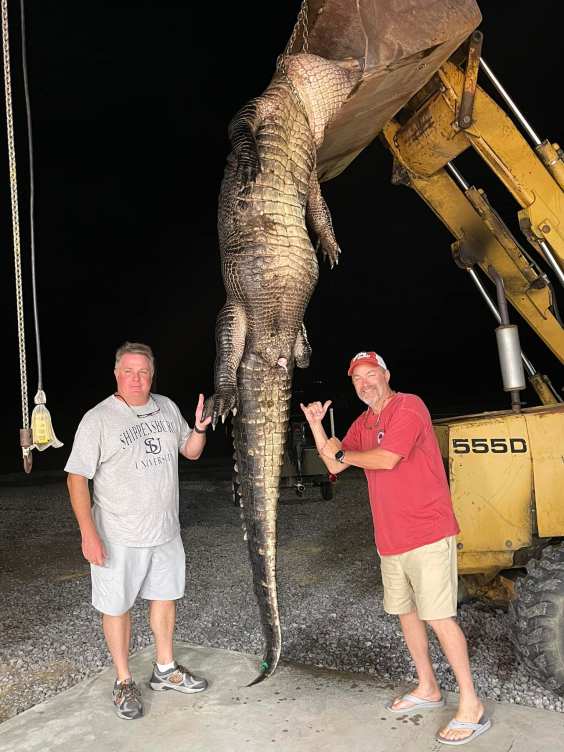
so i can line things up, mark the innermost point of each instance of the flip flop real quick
(418, 704)
(477, 728)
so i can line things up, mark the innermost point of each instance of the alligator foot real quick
(330, 251)
(219, 405)
(332, 255)
(302, 349)
(247, 171)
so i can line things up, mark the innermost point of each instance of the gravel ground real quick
(329, 582)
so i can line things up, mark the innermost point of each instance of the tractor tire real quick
(537, 618)
(327, 490)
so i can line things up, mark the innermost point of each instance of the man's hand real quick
(93, 549)
(315, 412)
(200, 424)
(196, 441)
(331, 447)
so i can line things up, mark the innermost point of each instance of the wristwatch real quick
(340, 456)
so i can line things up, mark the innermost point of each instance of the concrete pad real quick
(300, 709)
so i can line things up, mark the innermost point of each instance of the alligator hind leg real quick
(230, 333)
(302, 349)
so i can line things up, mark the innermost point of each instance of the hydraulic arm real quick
(455, 115)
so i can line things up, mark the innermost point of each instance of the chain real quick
(301, 21)
(15, 218)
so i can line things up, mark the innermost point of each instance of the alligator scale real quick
(269, 196)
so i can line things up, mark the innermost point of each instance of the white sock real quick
(165, 666)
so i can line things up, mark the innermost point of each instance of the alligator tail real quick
(259, 432)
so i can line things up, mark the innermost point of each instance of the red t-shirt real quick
(411, 504)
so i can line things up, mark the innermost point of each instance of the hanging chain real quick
(15, 218)
(301, 21)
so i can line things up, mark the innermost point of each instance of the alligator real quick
(269, 197)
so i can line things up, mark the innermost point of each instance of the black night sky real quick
(130, 104)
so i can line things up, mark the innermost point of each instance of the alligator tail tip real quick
(265, 673)
(258, 680)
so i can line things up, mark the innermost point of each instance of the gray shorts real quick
(156, 573)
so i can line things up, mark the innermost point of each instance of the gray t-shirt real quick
(131, 453)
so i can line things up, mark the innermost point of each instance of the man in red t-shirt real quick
(415, 531)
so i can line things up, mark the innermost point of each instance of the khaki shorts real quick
(423, 580)
(156, 573)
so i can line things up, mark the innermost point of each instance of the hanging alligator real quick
(269, 196)
(269, 204)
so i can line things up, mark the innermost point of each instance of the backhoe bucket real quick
(400, 46)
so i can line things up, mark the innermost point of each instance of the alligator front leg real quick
(230, 332)
(319, 219)
(242, 131)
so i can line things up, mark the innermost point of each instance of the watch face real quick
(339, 455)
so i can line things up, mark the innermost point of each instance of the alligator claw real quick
(248, 169)
(220, 405)
(330, 251)
(333, 256)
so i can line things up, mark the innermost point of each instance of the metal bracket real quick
(463, 255)
(464, 117)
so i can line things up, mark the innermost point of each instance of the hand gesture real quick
(315, 411)
(201, 423)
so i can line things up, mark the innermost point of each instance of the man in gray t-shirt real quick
(128, 446)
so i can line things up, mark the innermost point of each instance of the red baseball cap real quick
(370, 358)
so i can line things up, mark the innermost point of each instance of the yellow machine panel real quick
(506, 475)
(491, 482)
(546, 434)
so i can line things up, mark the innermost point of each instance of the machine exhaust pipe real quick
(508, 347)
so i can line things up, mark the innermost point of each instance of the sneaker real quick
(127, 700)
(178, 678)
